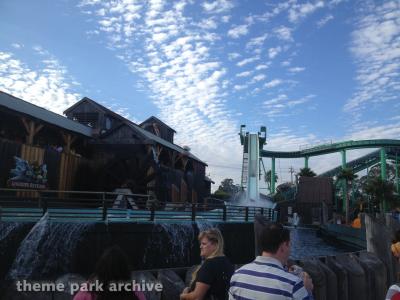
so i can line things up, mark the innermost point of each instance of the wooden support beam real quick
(68, 140)
(31, 129)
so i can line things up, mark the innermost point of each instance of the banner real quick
(28, 175)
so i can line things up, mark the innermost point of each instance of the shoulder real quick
(84, 296)
(217, 262)
(140, 295)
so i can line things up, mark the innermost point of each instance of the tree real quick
(228, 186)
(306, 172)
(267, 178)
(379, 190)
(347, 175)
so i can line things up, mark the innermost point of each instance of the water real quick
(306, 243)
(46, 249)
(6, 229)
(176, 240)
(205, 225)
(240, 199)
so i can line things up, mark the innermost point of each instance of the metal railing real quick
(31, 205)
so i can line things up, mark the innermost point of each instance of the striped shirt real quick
(265, 279)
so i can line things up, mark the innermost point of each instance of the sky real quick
(312, 72)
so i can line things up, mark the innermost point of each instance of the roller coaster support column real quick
(383, 173)
(344, 187)
(306, 161)
(397, 175)
(254, 167)
(272, 175)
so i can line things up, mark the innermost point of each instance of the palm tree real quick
(267, 178)
(306, 172)
(379, 190)
(347, 175)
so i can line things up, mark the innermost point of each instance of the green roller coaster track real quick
(389, 149)
(331, 148)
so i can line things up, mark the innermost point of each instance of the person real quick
(112, 267)
(266, 278)
(393, 293)
(356, 222)
(396, 213)
(296, 219)
(211, 279)
(395, 247)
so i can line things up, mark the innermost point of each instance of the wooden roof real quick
(21, 106)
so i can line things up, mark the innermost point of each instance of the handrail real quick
(105, 206)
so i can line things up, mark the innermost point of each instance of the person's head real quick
(211, 243)
(396, 237)
(113, 266)
(275, 241)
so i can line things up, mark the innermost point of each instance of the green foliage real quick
(227, 186)
(219, 194)
(306, 172)
(279, 197)
(347, 174)
(379, 190)
(267, 178)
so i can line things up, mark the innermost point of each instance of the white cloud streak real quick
(47, 87)
(376, 48)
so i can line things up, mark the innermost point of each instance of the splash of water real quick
(48, 248)
(205, 225)
(240, 199)
(7, 228)
(175, 240)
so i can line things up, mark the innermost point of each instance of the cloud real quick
(247, 61)
(218, 6)
(376, 48)
(237, 31)
(296, 69)
(234, 55)
(48, 86)
(261, 67)
(298, 12)
(243, 74)
(282, 105)
(186, 82)
(272, 52)
(17, 46)
(368, 132)
(208, 24)
(322, 22)
(283, 33)
(259, 77)
(257, 41)
(273, 83)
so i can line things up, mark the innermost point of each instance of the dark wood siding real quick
(315, 190)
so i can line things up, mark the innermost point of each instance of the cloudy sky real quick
(311, 71)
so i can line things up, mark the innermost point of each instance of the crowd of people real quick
(267, 277)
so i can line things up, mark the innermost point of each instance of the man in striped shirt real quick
(265, 278)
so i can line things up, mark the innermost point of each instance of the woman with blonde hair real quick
(212, 278)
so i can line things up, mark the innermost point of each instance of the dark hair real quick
(113, 266)
(272, 236)
(396, 237)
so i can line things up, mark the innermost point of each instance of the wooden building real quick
(95, 148)
(142, 157)
(314, 195)
(40, 136)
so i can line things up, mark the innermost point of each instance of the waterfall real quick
(7, 228)
(174, 240)
(47, 249)
(204, 225)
